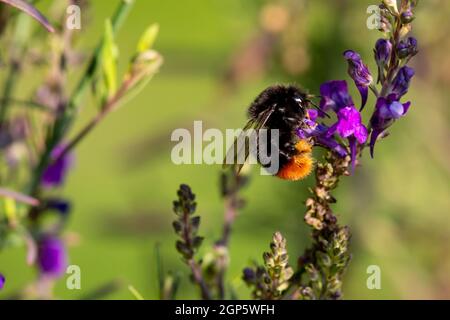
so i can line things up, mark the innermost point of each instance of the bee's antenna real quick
(319, 108)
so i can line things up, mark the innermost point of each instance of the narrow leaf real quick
(135, 293)
(148, 38)
(31, 11)
(109, 60)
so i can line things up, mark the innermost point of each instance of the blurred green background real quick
(218, 56)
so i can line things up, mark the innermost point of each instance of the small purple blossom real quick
(359, 72)
(334, 95)
(387, 110)
(349, 124)
(56, 172)
(401, 82)
(407, 16)
(52, 256)
(2, 281)
(383, 49)
(318, 132)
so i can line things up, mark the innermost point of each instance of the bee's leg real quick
(286, 155)
(290, 120)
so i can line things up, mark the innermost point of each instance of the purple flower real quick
(387, 110)
(2, 281)
(349, 124)
(61, 206)
(52, 256)
(55, 173)
(334, 95)
(249, 275)
(359, 72)
(318, 132)
(383, 49)
(401, 82)
(407, 48)
(407, 16)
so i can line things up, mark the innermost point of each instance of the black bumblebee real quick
(283, 108)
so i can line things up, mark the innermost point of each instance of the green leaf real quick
(109, 60)
(135, 293)
(148, 38)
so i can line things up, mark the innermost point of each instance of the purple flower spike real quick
(55, 173)
(401, 82)
(334, 95)
(2, 281)
(387, 110)
(52, 257)
(359, 72)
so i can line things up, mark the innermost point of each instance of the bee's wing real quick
(239, 148)
(241, 145)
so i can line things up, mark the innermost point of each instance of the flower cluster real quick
(348, 135)
(335, 97)
(272, 279)
(394, 76)
(186, 225)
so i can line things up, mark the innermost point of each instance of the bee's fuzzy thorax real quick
(280, 95)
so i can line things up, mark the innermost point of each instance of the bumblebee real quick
(283, 108)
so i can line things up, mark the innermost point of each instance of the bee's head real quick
(301, 99)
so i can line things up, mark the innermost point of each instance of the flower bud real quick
(407, 48)
(383, 49)
(401, 82)
(391, 5)
(359, 72)
(52, 256)
(387, 110)
(248, 275)
(407, 17)
(385, 26)
(56, 172)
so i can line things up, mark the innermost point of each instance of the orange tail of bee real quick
(300, 165)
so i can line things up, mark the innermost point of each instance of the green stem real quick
(8, 89)
(105, 110)
(117, 21)
(18, 48)
(63, 122)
